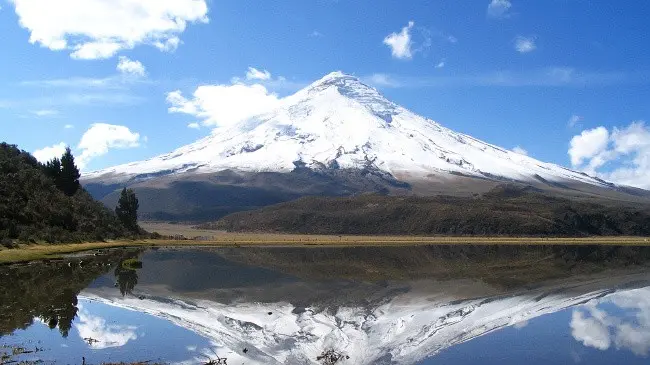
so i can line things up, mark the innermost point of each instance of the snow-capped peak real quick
(340, 122)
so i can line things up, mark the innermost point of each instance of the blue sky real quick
(568, 81)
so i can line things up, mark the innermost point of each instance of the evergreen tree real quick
(69, 178)
(53, 170)
(127, 209)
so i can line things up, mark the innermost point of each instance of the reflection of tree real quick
(49, 290)
(62, 312)
(127, 279)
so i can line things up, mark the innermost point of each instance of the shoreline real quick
(36, 252)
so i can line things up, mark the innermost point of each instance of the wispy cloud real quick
(45, 112)
(575, 120)
(316, 34)
(525, 44)
(545, 77)
(499, 9)
(520, 150)
(380, 79)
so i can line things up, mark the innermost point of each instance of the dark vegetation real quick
(45, 203)
(506, 210)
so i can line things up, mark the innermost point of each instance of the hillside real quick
(506, 210)
(33, 209)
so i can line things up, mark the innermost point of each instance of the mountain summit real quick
(338, 122)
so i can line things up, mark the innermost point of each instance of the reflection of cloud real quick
(95, 327)
(599, 329)
(589, 330)
(520, 325)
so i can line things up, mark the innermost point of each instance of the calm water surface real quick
(391, 305)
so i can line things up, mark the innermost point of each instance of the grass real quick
(221, 239)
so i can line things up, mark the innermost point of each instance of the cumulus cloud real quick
(194, 125)
(107, 335)
(499, 9)
(401, 43)
(224, 105)
(626, 328)
(101, 137)
(520, 150)
(130, 67)
(255, 74)
(96, 29)
(628, 149)
(48, 153)
(588, 145)
(525, 44)
(590, 331)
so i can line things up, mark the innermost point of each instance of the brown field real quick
(194, 237)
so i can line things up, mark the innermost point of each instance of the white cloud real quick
(107, 335)
(127, 66)
(588, 145)
(101, 137)
(68, 126)
(628, 327)
(48, 153)
(194, 125)
(255, 74)
(520, 150)
(94, 29)
(499, 9)
(525, 44)
(627, 148)
(574, 120)
(45, 112)
(400, 43)
(590, 331)
(224, 105)
(441, 64)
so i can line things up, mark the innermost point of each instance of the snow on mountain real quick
(404, 329)
(339, 122)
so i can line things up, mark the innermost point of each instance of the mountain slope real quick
(336, 137)
(506, 210)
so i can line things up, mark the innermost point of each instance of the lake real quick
(456, 304)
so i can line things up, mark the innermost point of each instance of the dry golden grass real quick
(223, 239)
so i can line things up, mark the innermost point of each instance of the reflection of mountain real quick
(403, 323)
(49, 290)
(376, 305)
